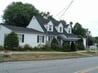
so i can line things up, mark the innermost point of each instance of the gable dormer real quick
(68, 29)
(49, 26)
(59, 28)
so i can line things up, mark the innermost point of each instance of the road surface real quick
(76, 65)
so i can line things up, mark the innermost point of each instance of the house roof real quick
(55, 22)
(22, 29)
(42, 22)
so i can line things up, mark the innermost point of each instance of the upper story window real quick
(69, 30)
(60, 29)
(50, 27)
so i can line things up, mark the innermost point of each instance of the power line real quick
(60, 11)
(65, 9)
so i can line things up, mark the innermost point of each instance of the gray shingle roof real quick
(42, 22)
(22, 29)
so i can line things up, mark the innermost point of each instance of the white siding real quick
(34, 24)
(3, 31)
(31, 39)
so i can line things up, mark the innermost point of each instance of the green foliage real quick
(79, 30)
(95, 39)
(11, 41)
(66, 47)
(79, 45)
(73, 46)
(46, 48)
(55, 45)
(43, 14)
(1, 48)
(19, 14)
(89, 41)
(27, 47)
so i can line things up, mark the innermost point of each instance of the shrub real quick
(66, 47)
(80, 45)
(73, 47)
(27, 47)
(1, 48)
(55, 45)
(11, 41)
(46, 48)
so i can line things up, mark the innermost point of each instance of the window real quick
(69, 30)
(60, 29)
(43, 39)
(50, 27)
(40, 39)
(21, 38)
(50, 38)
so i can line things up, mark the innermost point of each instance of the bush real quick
(80, 45)
(55, 45)
(1, 48)
(11, 41)
(27, 48)
(46, 48)
(73, 47)
(66, 47)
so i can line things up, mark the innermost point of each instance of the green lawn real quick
(1, 58)
(44, 56)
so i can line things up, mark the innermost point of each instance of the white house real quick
(39, 32)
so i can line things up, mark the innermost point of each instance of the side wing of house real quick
(32, 39)
(3, 32)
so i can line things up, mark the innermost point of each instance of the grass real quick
(1, 58)
(91, 53)
(41, 56)
(44, 56)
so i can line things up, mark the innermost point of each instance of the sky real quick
(83, 11)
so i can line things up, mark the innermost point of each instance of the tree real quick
(54, 44)
(79, 30)
(73, 46)
(47, 15)
(96, 39)
(66, 46)
(11, 41)
(19, 14)
(89, 41)
(79, 45)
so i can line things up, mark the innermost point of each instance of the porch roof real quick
(63, 37)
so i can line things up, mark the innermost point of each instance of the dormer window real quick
(60, 29)
(50, 27)
(69, 30)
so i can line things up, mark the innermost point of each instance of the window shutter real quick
(22, 38)
(37, 38)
